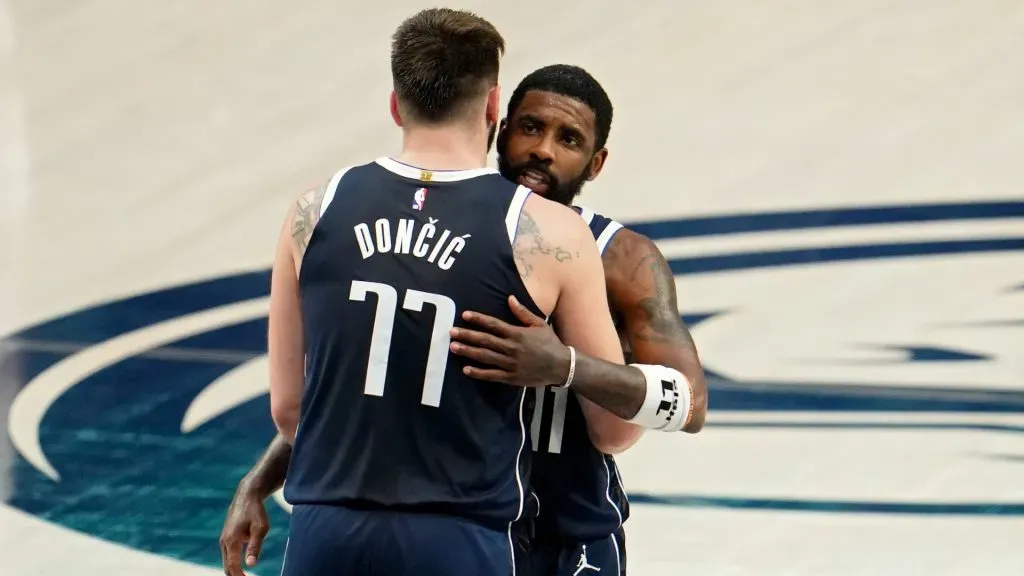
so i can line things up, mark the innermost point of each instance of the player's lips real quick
(535, 180)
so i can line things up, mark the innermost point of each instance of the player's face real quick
(547, 145)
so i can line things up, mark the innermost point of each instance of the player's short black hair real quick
(443, 59)
(573, 82)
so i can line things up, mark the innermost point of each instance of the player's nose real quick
(544, 150)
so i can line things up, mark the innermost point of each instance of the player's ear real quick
(396, 114)
(597, 163)
(493, 105)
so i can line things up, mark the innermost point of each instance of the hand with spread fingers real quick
(530, 355)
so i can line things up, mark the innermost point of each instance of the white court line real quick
(241, 384)
(31, 403)
(841, 236)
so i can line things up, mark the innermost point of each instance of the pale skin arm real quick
(582, 319)
(285, 341)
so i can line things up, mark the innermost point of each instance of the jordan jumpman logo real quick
(583, 564)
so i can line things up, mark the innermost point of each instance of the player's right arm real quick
(581, 315)
(286, 350)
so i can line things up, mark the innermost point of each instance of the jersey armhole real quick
(586, 213)
(606, 235)
(515, 210)
(332, 189)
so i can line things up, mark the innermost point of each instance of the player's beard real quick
(558, 191)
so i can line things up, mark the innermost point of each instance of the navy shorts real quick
(336, 541)
(603, 557)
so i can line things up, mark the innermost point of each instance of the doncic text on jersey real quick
(385, 239)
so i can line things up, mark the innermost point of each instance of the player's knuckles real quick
(487, 357)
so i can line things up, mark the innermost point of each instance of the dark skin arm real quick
(641, 290)
(247, 524)
(268, 475)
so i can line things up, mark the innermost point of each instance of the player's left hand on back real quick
(530, 355)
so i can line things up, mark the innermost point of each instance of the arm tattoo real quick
(529, 242)
(658, 309)
(307, 213)
(642, 288)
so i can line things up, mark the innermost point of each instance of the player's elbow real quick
(286, 417)
(700, 407)
(615, 438)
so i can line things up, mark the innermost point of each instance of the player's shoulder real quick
(627, 250)
(555, 220)
(317, 191)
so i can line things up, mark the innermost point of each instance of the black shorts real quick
(336, 541)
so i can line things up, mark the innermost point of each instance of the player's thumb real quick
(523, 313)
(257, 532)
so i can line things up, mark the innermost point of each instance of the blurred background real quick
(838, 185)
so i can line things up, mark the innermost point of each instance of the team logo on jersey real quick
(419, 198)
(134, 419)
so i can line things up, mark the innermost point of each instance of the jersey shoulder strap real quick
(332, 189)
(603, 228)
(515, 210)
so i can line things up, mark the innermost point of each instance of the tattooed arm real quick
(286, 349)
(642, 289)
(554, 246)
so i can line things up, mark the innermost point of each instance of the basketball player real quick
(401, 463)
(556, 155)
(553, 141)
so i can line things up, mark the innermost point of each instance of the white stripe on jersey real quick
(515, 208)
(606, 236)
(608, 490)
(587, 214)
(332, 189)
(519, 480)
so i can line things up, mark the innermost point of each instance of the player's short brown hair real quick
(443, 59)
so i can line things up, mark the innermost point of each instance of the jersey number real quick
(383, 326)
(559, 399)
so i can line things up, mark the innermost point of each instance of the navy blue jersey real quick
(578, 489)
(388, 420)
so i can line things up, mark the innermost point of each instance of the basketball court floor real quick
(838, 185)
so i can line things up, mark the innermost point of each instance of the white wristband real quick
(668, 403)
(572, 367)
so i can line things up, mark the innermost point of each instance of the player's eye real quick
(570, 140)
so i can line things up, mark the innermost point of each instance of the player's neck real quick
(444, 148)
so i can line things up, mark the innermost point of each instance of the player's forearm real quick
(284, 411)
(268, 475)
(653, 396)
(616, 388)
